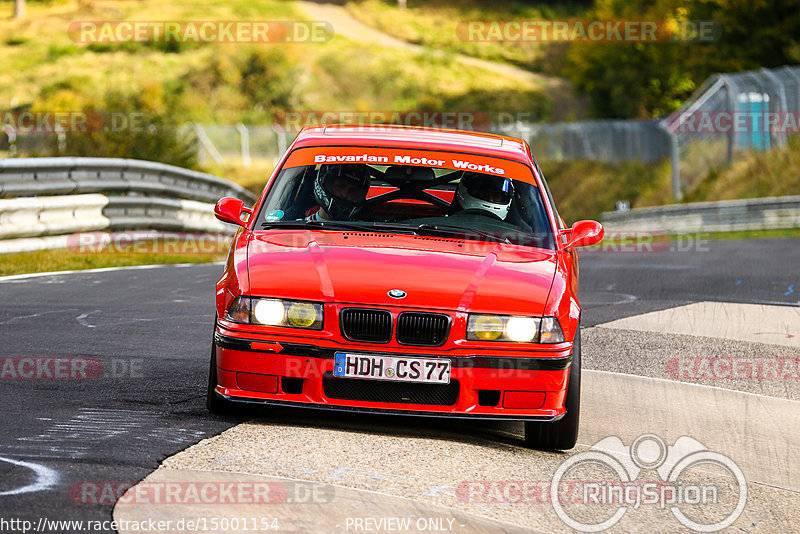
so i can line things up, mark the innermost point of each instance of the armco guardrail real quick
(40, 216)
(135, 213)
(69, 176)
(724, 216)
(34, 223)
(46, 205)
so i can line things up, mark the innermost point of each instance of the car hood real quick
(361, 268)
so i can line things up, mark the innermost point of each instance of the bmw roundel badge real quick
(397, 293)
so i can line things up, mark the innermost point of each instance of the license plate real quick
(398, 369)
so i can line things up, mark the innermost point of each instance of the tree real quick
(652, 79)
(633, 79)
(19, 9)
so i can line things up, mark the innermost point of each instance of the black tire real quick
(214, 402)
(562, 434)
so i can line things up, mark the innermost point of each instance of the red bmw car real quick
(406, 271)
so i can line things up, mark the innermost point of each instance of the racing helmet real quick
(340, 190)
(492, 194)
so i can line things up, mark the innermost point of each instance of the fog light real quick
(485, 327)
(302, 314)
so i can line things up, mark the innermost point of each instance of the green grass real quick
(42, 67)
(380, 80)
(66, 260)
(745, 234)
(436, 24)
(585, 189)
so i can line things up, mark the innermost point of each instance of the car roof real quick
(414, 137)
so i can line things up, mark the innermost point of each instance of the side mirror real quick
(584, 234)
(232, 210)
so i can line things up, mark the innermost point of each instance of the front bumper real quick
(298, 372)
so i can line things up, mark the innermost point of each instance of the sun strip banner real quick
(402, 156)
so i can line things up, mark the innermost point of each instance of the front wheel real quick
(214, 402)
(561, 434)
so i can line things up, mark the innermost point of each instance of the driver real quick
(340, 192)
(485, 193)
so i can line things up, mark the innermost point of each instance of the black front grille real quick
(427, 329)
(386, 391)
(369, 326)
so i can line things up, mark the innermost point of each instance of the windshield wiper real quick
(468, 233)
(311, 224)
(422, 229)
(340, 225)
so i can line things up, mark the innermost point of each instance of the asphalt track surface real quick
(145, 334)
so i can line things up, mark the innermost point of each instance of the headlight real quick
(522, 329)
(274, 312)
(269, 312)
(514, 328)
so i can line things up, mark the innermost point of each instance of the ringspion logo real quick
(697, 501)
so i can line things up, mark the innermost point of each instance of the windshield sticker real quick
(273, 216)
(363, 158)
(386, 156)
(400, 159)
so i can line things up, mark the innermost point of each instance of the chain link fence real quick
(240, 144)
(728, 115)
(731, 114)
(607, 140)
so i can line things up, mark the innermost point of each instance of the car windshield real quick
(415, 199)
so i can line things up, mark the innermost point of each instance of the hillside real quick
(585, 189)
(43, 68)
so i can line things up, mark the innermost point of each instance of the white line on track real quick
(690, 384)
(46, 477)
